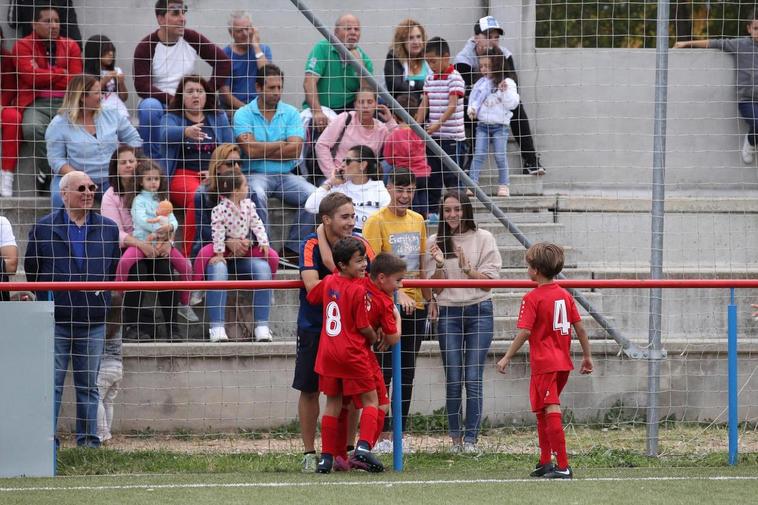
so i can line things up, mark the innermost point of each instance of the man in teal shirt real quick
(270, 135)
(330, 81)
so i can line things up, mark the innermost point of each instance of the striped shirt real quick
(438, 88)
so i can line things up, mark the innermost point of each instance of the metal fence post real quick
(732, 377)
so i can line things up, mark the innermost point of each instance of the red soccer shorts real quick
(334, 386)
(381, 389)
(545, 389)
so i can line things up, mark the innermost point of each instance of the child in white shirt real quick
(491, 103)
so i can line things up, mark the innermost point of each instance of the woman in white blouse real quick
(358, 178)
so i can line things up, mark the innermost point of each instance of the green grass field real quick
(610, 468)
(592, 486)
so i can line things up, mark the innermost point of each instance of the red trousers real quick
(182, 193)
(10, 119)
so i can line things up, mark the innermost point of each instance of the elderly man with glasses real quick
(73, 243)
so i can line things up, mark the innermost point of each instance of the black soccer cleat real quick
(560, 473)
(324, 464)
(540, 470)
(364, 459)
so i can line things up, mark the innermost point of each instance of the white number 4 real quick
(560, 317)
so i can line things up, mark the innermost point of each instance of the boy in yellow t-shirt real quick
(398, 230)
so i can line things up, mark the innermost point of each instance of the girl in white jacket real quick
(491, 103)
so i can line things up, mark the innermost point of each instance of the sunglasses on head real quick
(85, 187)
(231, 163)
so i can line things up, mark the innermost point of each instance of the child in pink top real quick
(404, 149)
(234, 217)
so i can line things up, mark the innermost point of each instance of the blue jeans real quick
(291, 189)
(495, 135)
(83, 346)
(150, 112)
(442, 176)
(465, 335)
(255, 269)
(749, 112)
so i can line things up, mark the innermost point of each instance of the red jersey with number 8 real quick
(548, 313)
(342, 351)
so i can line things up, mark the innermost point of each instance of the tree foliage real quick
(616, 24)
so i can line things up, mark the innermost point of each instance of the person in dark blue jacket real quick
(73, 243)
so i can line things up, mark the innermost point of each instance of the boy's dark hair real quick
(437, 46)
(39, 8)
(545, 258)
(161, 6)
(145, 165)
(95, 47)
(387, 264)
(444, 233)
(402, 177)
(228, 184)
(268, 70)
(365, 153)
(345, 248)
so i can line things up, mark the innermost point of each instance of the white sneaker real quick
(470, 448)
(218, 334)
(187, 313)
(262, 334)
(383, 447)
(747, 151)
(309, 463)
(503, 190)
(6, 183)
(196, 298)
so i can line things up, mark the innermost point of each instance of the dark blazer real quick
(49, 257)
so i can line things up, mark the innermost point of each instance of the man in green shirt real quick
(329, 79)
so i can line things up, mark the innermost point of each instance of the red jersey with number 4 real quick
(342, 351)
(548, 313)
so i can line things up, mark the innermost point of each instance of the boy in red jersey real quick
(387, 272)
(545, 319)
(343, 361)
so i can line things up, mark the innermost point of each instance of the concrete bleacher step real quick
(518, 184)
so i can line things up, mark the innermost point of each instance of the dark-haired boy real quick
(337, 215)
(444, 90)
(387, 272)
(343, 360)
(545, 319)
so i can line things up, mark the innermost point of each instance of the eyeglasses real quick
(85, 187)
(231, 163)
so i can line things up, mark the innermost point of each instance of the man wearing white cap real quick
(487, 32)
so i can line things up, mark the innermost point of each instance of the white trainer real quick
(218, 334)
(262, 334)
(747, 151)
(6, 183)
(188, 314)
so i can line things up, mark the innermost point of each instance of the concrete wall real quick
(224, 388)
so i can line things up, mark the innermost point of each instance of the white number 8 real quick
(560, 317)
(333, 324)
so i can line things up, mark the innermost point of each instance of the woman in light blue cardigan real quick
(191, 131)
(83, 136)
